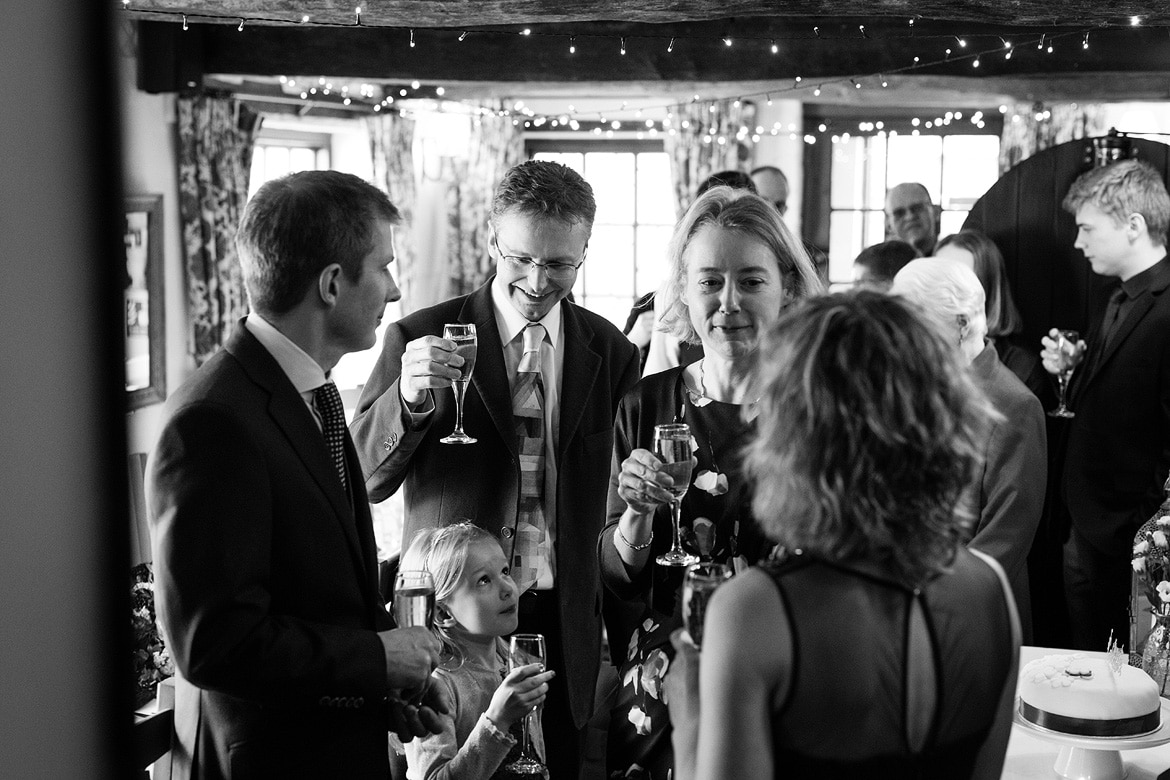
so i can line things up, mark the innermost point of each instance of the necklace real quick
(701, 398)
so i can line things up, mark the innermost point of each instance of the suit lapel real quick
(579, 373)
(1141, 307)
(490, 378)
(292, 417)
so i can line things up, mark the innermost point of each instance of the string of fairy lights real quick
(621, 118)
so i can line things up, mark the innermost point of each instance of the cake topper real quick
(1116, 658)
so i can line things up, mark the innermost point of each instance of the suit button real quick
(324, 701)
(506, 533)
(389, 442)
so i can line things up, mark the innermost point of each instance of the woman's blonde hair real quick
(742, 212)
(442, 552)
(868, 432)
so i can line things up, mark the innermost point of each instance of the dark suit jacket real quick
(1118, 452)
(1009, 496)
(266, 581)
(480, 482)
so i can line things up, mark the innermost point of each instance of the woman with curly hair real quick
(883, 647)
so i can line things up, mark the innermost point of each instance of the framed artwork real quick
(142, 298)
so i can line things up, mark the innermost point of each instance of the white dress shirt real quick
(305, 373)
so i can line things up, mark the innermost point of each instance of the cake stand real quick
(1094, 758)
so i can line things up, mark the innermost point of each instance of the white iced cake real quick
(1080, 694)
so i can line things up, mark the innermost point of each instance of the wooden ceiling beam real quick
(423, 13)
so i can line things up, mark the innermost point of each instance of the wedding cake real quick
(1082, 694)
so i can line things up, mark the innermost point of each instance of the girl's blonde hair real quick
(442, 552)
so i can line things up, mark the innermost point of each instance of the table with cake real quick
(1077, 713)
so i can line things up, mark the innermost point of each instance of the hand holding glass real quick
(525, 649)
(1066, 348)
(699, 583)
(465, 346)
(675, 448)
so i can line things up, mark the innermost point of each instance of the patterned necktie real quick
(528, 411)
(332, 411)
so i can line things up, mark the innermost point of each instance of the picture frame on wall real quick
(144, 328)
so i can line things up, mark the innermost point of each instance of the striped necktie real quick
(528, 412)
(332, 411)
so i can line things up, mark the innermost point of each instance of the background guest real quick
(542, 398)
(734, 266)
(912, 217)
(978, 252)
(875, 266)
(1005, 500)
(808, 666)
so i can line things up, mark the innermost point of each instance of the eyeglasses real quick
(555, 270)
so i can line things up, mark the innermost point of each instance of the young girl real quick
(475, 605)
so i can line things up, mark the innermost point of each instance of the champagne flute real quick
(414, 599)
(524, 649)
(1066, 347)
(699, 583)
(675, 448)
(465, 344)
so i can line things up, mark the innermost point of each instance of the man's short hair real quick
(542, 188)
(911, 185)
(295, 226)
(1124, 188)
(737, 180)
(884, 260)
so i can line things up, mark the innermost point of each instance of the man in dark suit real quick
(263, 545)
(541, 492)
(1118, 450)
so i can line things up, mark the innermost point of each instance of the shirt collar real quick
(510, 322)
(305, 373)
(1139, 283)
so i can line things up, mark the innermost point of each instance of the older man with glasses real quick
(912, 217)
(541, 403)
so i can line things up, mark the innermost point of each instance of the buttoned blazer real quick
(447, 483)
(1118, 451)
(266, 581)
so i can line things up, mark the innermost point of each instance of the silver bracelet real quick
(627, 543)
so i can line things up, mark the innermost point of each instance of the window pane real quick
(275, 162)
(302, 159)
(652, 262)
(655, 199)
(256, 177)
(612, 178)
(613, 308)
(846, 234)
(970, 167)
(609, 267)
(951, 222)
(848, 180)
(875, 191)
(916, 159)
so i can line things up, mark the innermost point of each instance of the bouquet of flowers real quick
(1151, 558)
(152, 662)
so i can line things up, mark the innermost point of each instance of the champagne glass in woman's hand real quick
(465, 346)
(525, 649)
(699, 583)
(675, 448)
(414, 599)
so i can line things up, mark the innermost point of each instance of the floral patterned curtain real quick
(708, 137)
(496, 145)
(1034, 128)
(216, 138)
(391, 146)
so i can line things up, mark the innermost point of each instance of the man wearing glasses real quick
(911, 217)
(541, 402)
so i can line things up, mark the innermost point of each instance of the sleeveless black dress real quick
(851, 710)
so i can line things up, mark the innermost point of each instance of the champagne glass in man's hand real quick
(1063, 351)
(465, 346)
